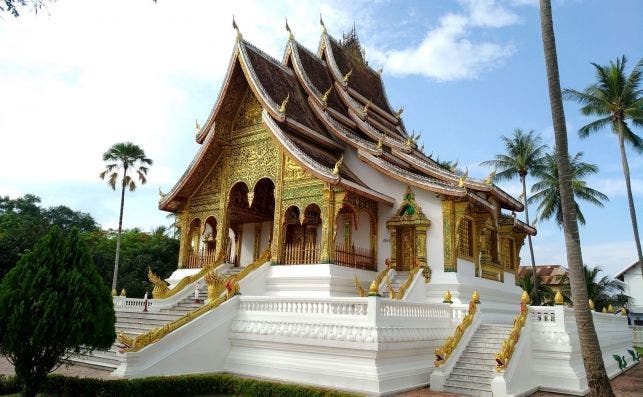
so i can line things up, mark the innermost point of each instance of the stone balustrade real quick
(637, 335)
(306, 306)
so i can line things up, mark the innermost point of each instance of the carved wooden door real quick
(405, 248)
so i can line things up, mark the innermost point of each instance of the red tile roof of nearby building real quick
(549, 274)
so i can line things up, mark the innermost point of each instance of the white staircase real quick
(135, 323)
(473, 372)
(397, 279)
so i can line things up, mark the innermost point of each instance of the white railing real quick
(124, 304)
(395, 308)
(637, 335)
(308, 306)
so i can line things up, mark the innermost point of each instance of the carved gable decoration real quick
(409, 212)
(249, 112)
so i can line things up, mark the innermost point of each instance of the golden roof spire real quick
(290, 35)
(282, 107)
(236, 27)
(321, 22)
(368, 105)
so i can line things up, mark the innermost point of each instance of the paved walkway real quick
(628, 384)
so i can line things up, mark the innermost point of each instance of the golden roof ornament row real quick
(327, 93)
(347, 76)
(338, 164)
(282, 107)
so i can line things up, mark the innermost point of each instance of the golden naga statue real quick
(358, 286)
(509, 344)
(214, 281)
(442, 353)
(160, 286)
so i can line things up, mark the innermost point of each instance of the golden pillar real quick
(448, 228)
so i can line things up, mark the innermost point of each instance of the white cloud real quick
(615, 187)
(449, 51)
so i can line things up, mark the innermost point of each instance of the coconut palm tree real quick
(523, 154)
(615, 99)
(125, 157)
(603, 291)
(597, 380)
(546, 191)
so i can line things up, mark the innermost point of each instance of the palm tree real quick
(597, 380)
(523, 154)
(603, 291)
(615, 99)
(124, 156)
(546, 192)
(544, 292)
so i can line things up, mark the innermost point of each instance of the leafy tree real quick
(53, 303)
(23, 222)
(546, 191)
(124, 156)
(597, 380)
(523, 154)
(603, 291)
(140, 251)
(13, 6)
(615, 99)
(544, 293)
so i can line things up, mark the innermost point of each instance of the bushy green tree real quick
(53, 303)
(544, 294)
(23, 222)
(140, 250)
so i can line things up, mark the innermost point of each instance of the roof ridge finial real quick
(321, 22)
(368, 105)
(347, 76)
(398, 114)
(338, 164)
(236, 27)
(198, 127)
(290, 35)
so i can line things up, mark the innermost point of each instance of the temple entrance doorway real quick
(408, 234)
(251, 215)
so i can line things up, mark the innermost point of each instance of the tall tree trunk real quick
(630, 199)
(535, 299)
(597, 379)
(118, 236)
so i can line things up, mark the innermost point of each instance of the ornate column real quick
(277, 234)
(448, 228)
(420, 244)
(332, 203)
(182, 219)
(392, 230)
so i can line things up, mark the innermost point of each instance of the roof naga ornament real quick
(325, 95)
(368, 105)
(380, 70)
(398, 114)
(490, 178)
(282, 107)
(347, 76)
(338, 164)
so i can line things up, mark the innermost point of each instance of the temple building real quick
(306, 156)
(320, 245)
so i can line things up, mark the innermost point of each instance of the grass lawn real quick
(639, 349)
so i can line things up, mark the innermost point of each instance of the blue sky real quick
(86, 74)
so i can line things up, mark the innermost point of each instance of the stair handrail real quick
(509, 344)
(161, 290)
(224, 289)
(401, 292)
(374, 288)
(442, 353)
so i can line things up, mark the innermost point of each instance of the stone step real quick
(482, 376)
(95, 364)
(470, 355)
(135, 316)
(474, 364)
(468, 384)
(105, 357)
(146, 321)
(133, 332)
(481, 343)
(484, 350)
(467, 392)
(489, 338)
(499, 327)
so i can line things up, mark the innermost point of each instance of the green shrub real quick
(184, 385)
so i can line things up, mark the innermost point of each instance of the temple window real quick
(493, 245)
(466, 239)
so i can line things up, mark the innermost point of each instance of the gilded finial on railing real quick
(623, 311)
(114, 292)
(446, 298)
(591, 304)
(610, 308)
(604, 310)
(524, 298)
(475, 297)
(123, 292)
(347, 76)
(326, 94)
(282, 107)
(338, 164)
(558, 299)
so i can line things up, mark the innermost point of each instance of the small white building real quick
(633, 280)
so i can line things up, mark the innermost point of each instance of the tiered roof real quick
(317, 105)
